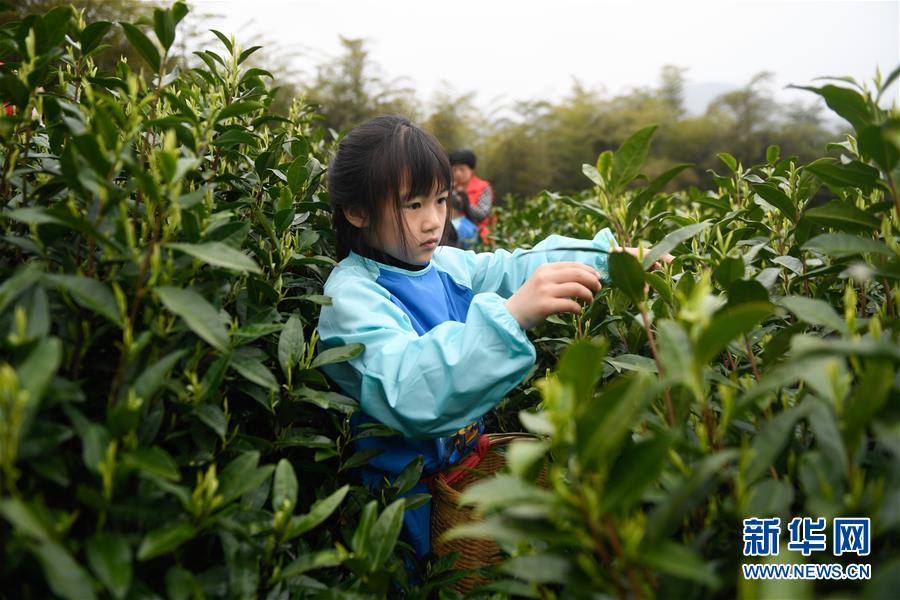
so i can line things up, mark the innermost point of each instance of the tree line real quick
(541, 145)
(526, 146)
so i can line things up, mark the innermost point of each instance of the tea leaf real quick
(814, 311)
(627, 275)
(145, 48)
(291, 344)
(224, 39)
(603, 427)
(728, 324)
(636, 469)
(384, 533)
(680, 561)
(854, 174)
(165, 539)
(770, 498)
(409, 476)
(164, 27)
(337, 355)
(242, 475)
(153, 460)
(236, 109)
(655, 186)
(539, 568)
(845, 102)
(253, 370)
(284, 487)
(686, 494)
(320, 511)
(730, 161)
(581, 366)
(309, 562)
(220, 255)
(669, 242)
(92, 35)
(773, 436)
(23, 519)
(89, 293)
(823, 423)
(65, 577)
(213, 417)
(198, 314)
(154, 376)
(110, 558)
(774, 196)
(844, 244)
(628, 159)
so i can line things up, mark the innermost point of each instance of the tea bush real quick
(164, 427)
(165, 430)
(755, 376)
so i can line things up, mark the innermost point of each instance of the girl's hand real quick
(550, 290)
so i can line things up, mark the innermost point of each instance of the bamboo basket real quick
(446, 512)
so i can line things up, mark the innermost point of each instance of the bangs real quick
(411, 164)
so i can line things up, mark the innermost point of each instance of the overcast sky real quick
(506, 50)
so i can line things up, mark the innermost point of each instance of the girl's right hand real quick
(550, 290)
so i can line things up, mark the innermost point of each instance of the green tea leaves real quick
(627, 275)
(218, 254)
(198, 314)
(145, 48)
(728, 324)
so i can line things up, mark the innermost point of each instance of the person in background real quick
(474, 195)
(461, 231)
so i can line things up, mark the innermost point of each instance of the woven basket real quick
(446, 512)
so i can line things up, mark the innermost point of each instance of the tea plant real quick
(755, 376)
(164, 427)
(165, 430)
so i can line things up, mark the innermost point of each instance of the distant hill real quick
(697, 97)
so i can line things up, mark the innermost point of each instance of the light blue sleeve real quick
(430, 385)
(504, 272)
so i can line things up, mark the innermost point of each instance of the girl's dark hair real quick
(386, 159)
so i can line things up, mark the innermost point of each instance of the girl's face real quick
(423, 218)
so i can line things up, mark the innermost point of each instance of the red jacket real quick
(6, 107)
(474, 189)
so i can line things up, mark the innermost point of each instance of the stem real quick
(730, 362)
(710, 422)
(670, 411)
(806, 280)
(894, 194)
(597, 537)
(25, 162)
(78, 73)
(862, 299)
(132, 317)
(752, 358)
(617, 547)
(888, 297)
(4, 183)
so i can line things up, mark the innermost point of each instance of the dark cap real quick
(463, 157)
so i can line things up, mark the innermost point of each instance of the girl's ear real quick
(356, 217)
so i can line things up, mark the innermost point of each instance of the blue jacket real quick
(441, 349)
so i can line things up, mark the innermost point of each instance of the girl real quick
(443, 328)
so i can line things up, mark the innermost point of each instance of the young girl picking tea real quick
(443, 328)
